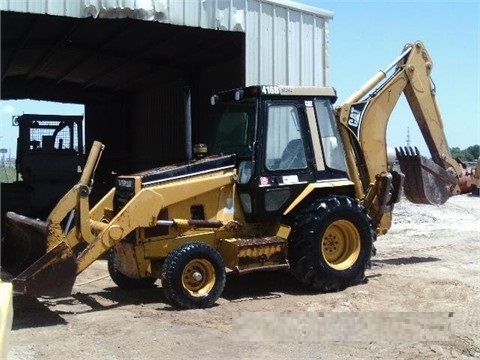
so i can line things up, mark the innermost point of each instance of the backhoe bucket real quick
(425, 181)
(26, 263)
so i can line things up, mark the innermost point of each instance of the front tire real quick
(193, 276)
(123, 281)
(331, 244)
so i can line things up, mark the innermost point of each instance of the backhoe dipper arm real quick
(364, 125)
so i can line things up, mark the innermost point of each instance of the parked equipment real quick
(49, 158)
(289, 183)
(475, 179)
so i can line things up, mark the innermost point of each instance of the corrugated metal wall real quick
(147, 129)
(158, 126)
(285, 46)
(223, 76)
(108, 122)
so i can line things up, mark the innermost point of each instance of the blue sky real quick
(9, 133)
(366, 36)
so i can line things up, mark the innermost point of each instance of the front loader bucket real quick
(23, 244)
(425, 181)
(52, 275)
(37, 256)
(26, 263)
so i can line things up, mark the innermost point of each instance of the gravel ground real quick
(420, 302)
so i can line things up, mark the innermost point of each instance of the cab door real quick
(284, 163)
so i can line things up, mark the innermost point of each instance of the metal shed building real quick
(135, 63)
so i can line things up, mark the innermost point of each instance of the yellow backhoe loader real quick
(288, 183)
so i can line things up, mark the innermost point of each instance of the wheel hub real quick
(198, 277)
(340, 244)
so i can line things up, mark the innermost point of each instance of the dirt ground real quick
(420, 302)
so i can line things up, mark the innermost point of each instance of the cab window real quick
(235, 128)
(285, 149)
(330, 137)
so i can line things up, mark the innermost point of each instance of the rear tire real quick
(331, 244)
(193, 276)
(123, 281)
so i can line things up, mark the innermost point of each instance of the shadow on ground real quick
(31, 312)
(405, 260)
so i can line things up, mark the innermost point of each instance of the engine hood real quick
(181, 170)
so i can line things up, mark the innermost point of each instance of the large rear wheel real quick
(193, 276)
(331, 244)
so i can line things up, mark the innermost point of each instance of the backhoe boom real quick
(364, 124)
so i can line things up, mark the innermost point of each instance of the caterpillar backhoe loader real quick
(289, 182)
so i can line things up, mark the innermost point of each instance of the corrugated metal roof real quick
(51, 7)
(210, 14)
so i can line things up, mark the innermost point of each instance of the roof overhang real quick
(74, 59)
(76, 51)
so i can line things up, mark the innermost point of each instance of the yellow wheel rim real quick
(198, 277)
(341, 244)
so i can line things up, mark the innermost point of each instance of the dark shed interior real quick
(131, 75)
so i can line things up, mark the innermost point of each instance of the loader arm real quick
(55, 272)
(363, 125)
(28, 239)
(143, 210)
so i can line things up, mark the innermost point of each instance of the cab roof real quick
(274, 90)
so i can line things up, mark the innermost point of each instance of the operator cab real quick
(284, 138)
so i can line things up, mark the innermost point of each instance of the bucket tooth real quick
(425, 181)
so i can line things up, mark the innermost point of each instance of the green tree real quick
(460, 154)
(474, 150)
(469, 154)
